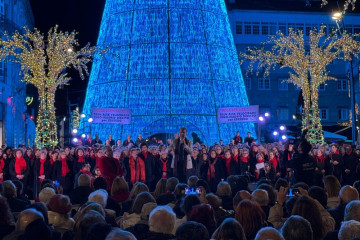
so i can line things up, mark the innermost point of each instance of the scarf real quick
(220, 156)
(2, 165)
(85, 172)
(145, 154)
(238, 139)
(244, 159)
(42, 168)
(274, 161)
(211, 170)
(227, 165)
(320, 159)
(164, 167)
(133, 173)
(81, 159)
(236, 158)
(290, 154)
(140, 171)
(64, 167)
(97, 161)
(20, 165)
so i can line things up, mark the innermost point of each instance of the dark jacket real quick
(65, 182)
(304, 168)
(149, 167)
(159, 236)
(16, 205)
(80, 195)
(338, 215)
(350, 162)
(13, 173)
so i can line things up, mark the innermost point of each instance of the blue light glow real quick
(173, 63)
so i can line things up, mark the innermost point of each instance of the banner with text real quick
(111, 115)
(238, 114)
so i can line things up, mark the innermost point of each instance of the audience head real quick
(138, 188)
(189, 202)
(146, 210)
(86, 220)
(269, 233)
(41, 207)
(261, 197)
(171, 184)
(352, 211)
(100, 196)
(223, 189)
(46, 194)
(192, 181)
(19, 187)
(239, 196)
(204, 184)
(191, 230)
(213, 200)
(119, 185)
(319, 194)
(141, 199)
(281, 182)
(347, 194)
(84, 180)
(349, 230)
(7, 217)
(331, 185)
(306, 208)
(160, 187)
(100, 183)
(118, 234)
(179, 191)
(162, 220)
(297, 228)
(270, 190)
(60, 204)
(98, 231)
(9, 189)
(26, 217)
(250, 216)
(229, 229)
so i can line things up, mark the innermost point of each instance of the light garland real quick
(307, 68)
(43, 64)
(347, 3)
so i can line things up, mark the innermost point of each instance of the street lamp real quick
(337, 16)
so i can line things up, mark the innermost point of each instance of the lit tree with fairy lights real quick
(44, 62)
(307, 62)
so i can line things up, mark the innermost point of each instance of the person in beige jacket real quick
(321, 223)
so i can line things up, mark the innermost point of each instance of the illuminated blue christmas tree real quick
(173, 63)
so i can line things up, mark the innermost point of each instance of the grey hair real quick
(349, 230)
(352, 211)
(162, 220)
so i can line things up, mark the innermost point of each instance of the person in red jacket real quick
(109, 167)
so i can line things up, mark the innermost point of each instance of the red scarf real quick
(85, 172)
(2, 164)
(20, 165)
(64, 167)
(220, 156)
(81, 159)
(97, 161)
(227, 165)
(132, 165)
(290, 154)
(274, 161)
(140, 170)
(244, 159)
(42, 169)
(320, 159)
(145, 154)
(211, 170)
(164, 167)
(236, 158)
(335, 153)
(237, 139)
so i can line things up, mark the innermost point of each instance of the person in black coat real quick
(62, 174)
(163, 167)
(42, 170)
(80, 194)
(216, 171)
(19, 168)
(79, 161)
(149, 162)
(303, 164)
(285, 164)
(350, 161)
(335, 162)
(268, 172)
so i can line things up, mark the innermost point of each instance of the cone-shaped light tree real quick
(307, 62)
(44, 61)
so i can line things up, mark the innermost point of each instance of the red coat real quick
(110, 169)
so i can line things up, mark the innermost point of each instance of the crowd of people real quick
(180, 190)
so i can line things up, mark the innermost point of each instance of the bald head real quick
(347, 194)
(261, 197)
(26, 217)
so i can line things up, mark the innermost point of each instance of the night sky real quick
(84, 16)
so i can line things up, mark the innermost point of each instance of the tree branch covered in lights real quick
(347, 4)
(307, 63)
(44, 62)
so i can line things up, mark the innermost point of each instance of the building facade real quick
(252, 26)
(15, 126)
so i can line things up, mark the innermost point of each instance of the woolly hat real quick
(59, 204)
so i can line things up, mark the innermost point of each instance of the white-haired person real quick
(161, 223)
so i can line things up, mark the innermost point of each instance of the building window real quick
(264, 84)
(247, 83)
(256, 28)
(272, 28)
(342, 85)
(283, 114)
(322, 87)
(282, 28)
(247, 27)
(283, 84)
(238, 27)
(265, 28)
(343, 114)
(300, 27)
(324, 115)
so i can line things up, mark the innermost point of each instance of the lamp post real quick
(262, 120)
(337, 16)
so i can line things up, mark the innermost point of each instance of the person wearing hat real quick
(59, 207)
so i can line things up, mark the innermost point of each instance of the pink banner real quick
(111, 115)
(238, 114)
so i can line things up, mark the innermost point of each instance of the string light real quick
(44, 62)
(347, 3)
(308, 69)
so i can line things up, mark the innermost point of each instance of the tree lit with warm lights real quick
(307, 62)
(44, 61)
